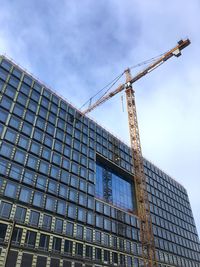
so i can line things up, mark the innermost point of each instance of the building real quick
(66, 187)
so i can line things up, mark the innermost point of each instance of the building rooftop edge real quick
(4, 55)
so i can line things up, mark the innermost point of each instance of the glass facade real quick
(63, 206)
(114, 188)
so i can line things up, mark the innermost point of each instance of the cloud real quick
(79, 46)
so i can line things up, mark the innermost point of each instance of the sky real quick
(77, 47)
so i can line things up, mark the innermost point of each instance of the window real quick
(114, 257)
(32, 162)
(38, 199)
(25, 195)
(6, 103)
(107, 256)
(26, 260)
(72, 211)
(79, 231)
(73, 195)
(88, 252)
(44, 242)
(12, 258)
(98, 254)
(30, 238)
(61, 207)
(5, 209)
(44, 167)
(35, 148)
(23, 142)
(28, 177)
(10, 136)
(17, 235)
(50, 203)
(3, 229)
(97, 236)
(4, 115)
(41, 182)
(55, 172)
(79, 249)
(55, 262)
(58, 225)
(81, 215)
(63, 191)
(34, 218)
(41, 261)
(90, 218)
(52, 187)
(56, 244)
(120, 189)
(46, 223)
(20, 214)
(89, 234)
(10, 190)
(18, 110)
(20, 156)
(68, 246)
(6, 150)
(27, 128)
(69, 229)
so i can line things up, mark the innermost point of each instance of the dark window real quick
(79, 249)
(98, 254)
(88, 251)
(68, 246)
(17, 235)
(12, 258)
(3, 228)
(114, 257)
(20, 214)
(55, 262)
(98, 236)
(67, 263)
(41, 261)
(5, 209)
(56, 243)
(30, 238)
(107, 256)
(44, 241)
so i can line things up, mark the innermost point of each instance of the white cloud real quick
(77, 47)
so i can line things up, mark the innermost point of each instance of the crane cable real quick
(116, 79)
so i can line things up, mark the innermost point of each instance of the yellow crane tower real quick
(143, 208)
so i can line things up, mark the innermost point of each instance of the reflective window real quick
(5, 209)
(25, 195)
(10, 190)
(38, 199)
(69, 229)
(46, 223)
(113, 188)
(58, 225)
(20, 214)
(34, 218)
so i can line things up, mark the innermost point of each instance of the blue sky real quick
(77, 47)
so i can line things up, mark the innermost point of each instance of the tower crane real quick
(143, 206)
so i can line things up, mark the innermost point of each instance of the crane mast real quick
(143, 206)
